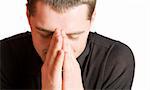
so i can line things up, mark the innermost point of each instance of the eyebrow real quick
(48, 31)
(44, 30)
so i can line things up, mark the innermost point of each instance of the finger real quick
(67, 64)
(70, 49)
(66, 71)
(55, 39)
(70, 67)
(71, 59)
(51, 43)
(56, 34)
(57, 67)
(56, 71)
(70, 70)
(65, 47)
(65, 42)
(55, 45)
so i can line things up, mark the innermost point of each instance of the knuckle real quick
(56, 68)
(43, 69)
(56, 40)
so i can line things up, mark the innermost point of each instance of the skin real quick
(59, 38)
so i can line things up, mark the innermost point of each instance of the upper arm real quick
(119, 68)
(6, 68)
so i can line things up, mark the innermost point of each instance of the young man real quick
(61, 53)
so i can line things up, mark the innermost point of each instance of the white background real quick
(124, 20)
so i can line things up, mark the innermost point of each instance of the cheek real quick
(78, 45)
(41, 44)
(75, 46)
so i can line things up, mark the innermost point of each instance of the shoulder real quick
(117, 61)
(120, 58)
(119, 67)
(14, 49)
(15, 45)
(112, 51)
(16, 38)
(113, 48)
(16, 42)
(11, 49)
(18, 59)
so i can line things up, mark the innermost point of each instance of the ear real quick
(92, 20)
(28, 17)
(27, 14)
(93, 16)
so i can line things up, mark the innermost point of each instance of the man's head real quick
(61, 6)
(74, 17)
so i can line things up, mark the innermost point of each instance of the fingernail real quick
(57, 32)
(63, 33)
(59, 38)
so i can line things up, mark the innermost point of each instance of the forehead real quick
(47, 17)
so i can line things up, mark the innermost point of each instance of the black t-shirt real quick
(105, 64)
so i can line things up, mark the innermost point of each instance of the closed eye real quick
(75, 35)
(44, 33)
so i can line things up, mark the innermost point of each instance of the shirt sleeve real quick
(119, 68)
(6, 78)
(3, 53)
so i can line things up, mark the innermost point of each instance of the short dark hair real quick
(62, 5)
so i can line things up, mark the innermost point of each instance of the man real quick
(61, 53)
